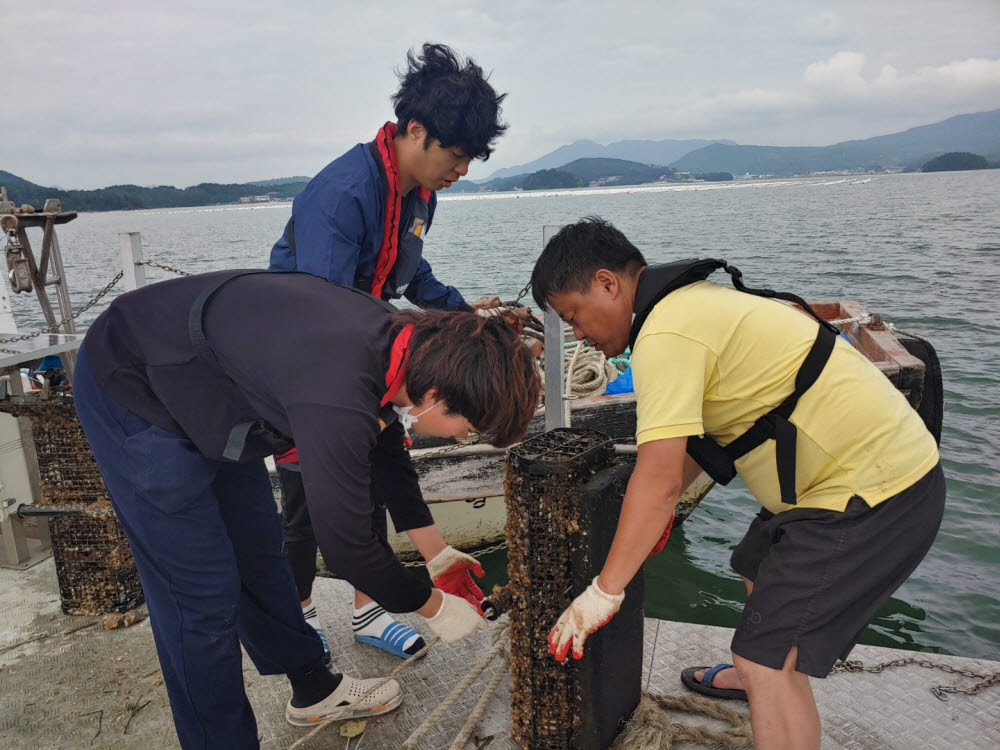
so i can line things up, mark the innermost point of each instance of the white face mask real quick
(406, 419)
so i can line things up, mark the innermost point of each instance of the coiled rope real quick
(652, 728)
(588, 372)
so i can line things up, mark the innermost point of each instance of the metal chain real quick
(93, 301)
(939, 691)
(165, 267)
(522, 293)
(52, 329)
(479, 553)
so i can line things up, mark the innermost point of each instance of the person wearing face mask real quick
(361, 222)
(182, 390)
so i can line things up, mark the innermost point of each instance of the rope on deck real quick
(499, 647)
(652, 728)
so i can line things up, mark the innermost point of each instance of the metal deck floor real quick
(94, 688)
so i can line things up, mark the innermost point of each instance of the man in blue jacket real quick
(361, 222)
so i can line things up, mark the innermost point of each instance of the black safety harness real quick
(718, 461)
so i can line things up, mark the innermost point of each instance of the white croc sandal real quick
(382, 701)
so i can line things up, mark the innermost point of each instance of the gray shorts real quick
(820, 576)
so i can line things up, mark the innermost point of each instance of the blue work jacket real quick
(338, 222)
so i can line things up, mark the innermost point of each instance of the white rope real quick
(859, 319)
(588, 372)
(438, 713)
(480, 707)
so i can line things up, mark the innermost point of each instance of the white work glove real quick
(452, 571)
(589, 611)
(492, 312)
(456, 619)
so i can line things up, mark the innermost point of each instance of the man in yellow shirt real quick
(848, 475)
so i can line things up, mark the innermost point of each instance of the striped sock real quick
(373, 621)
(312, 619)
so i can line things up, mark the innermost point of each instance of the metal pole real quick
(7, 322)
(133, 272)
(62, 292)
(555, 411)
(65, 304)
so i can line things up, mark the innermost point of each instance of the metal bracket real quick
(17, 548)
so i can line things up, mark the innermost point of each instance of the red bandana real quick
(393, 207)
(399, 355)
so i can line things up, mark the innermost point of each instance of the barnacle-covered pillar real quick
(94, 563)
(564, 494)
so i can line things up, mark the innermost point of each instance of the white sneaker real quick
(382, 701)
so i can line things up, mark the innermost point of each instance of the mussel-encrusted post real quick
(94, 562)
(564, 494)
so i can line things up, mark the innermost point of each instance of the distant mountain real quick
(462, 186)
(644, 152)
(580, 173)
(548, 179)
(622, 171)
(280, 181)
(954, 162)
(658, 152)
(125, 197)
(978, 133)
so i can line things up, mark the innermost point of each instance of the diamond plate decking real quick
(93, 688)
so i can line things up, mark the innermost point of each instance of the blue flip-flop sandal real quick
(704, 687)
(393, 638)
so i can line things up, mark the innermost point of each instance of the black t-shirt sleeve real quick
(335, 444)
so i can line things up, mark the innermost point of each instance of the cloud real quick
(840, 75)
(833, 92)
(845, 82)
(843, 75)
(185, 91)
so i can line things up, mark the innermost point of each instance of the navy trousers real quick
(206, 537)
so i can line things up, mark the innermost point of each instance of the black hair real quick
(571, 258)
(452, 100)
(479, 366)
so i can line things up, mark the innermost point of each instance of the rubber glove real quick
(456, 619)
(663, 539)
(588, 612)
(451, 571)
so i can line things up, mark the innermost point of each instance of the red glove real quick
(663, 539)
(452, 571)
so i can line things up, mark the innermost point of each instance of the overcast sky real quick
(180, 92)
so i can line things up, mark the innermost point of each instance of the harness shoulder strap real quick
(775, 424)
(238, 435)
(196, 317)
(655, 283)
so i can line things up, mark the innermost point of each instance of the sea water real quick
(922, 249)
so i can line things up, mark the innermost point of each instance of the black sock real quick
(312, 684)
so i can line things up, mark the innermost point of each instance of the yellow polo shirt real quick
(711, 360)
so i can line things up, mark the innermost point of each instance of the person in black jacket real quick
(183, 388)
